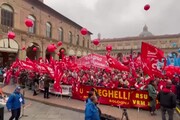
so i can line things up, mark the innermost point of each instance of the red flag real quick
(27, 65)
(151, 56)
(149, 51)
(116, 64)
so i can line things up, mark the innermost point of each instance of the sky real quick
(121, 18)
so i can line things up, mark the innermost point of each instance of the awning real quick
(8, 45)
(84, 53)
(78, 53)
(10, 50)
(34, 44)
(71, 52)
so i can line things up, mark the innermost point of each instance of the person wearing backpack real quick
(167, 101)
(14, 103)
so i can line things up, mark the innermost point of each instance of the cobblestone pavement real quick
(39, 111)
(71, 109)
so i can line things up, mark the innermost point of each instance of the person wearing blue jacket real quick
(14, 103)
(90, 94)
(91, 111)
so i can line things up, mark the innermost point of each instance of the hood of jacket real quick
(166, 90)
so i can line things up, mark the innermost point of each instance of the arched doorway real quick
(84, 53)
(49, 54)
(71, 52)
(8, 51)
(62, 51)
(78, 54)
(31, 53)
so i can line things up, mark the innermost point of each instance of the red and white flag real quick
(113, 63)
(151, 56)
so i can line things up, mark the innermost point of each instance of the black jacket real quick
(167, 98)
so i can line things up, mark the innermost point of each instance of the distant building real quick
(168, 43)
(49, 27)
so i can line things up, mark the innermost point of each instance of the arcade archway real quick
(62, 52)
(49, 54)
(8, 51)
(31, 53)
(78, 54)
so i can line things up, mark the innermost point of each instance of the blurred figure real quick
(14, 103)
(35, 84)
(152, 95)
(91, 110)
(90, 94)
(167, 101)
(47, 80)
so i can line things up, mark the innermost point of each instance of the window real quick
(77, 42)
(83, 42)
(70, 37)
(48, 30)
(7, 14)
(32, 29)
(61, 36)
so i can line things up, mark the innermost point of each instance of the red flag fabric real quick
(113, 63)
(149, 51)
(27, 65)
(151, 57)
(94, 60)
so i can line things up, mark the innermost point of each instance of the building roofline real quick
(43, 6)
(140, 38)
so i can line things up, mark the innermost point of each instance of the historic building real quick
(168, 43)
(49, 27)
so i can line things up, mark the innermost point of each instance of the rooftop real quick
(144, 35)
(51, 11)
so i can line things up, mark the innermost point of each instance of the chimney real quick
(41, 1)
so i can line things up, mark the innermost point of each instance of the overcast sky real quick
(121, 18)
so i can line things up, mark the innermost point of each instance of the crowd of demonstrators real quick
(30, 79)
(98, 77)
(109, 78)
(3, 70)
(115, 79)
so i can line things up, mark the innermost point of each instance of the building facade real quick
(168, 43)
(49, 27)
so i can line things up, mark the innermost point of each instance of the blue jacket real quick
(91, 112)
(88, 100)
(14, 101)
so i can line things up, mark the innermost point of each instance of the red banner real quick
(116, 97)
(93, 60)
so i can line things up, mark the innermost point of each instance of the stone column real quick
(22, 53)
(43, 51)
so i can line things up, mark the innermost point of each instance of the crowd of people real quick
(109, 78)
(166, 98)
